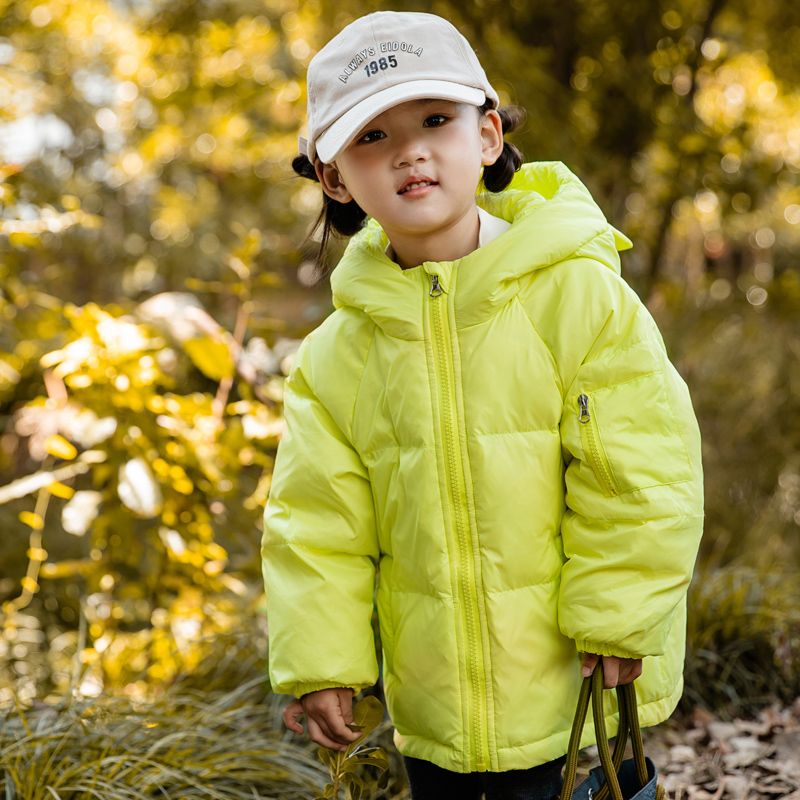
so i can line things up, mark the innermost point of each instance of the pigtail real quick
(343, 219)
(498, 175)
(304, 168)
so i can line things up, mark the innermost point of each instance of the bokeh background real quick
(156, 278)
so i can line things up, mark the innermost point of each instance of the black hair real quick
(345, 219)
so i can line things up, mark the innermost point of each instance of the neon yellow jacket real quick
(503, 439)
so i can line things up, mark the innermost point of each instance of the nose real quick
(411, 149)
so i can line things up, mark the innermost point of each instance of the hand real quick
(616, 671)
(328, 712)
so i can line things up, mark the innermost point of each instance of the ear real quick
(331, 181)
(491, 132)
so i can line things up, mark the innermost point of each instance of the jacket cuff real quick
(604, 649)
(299, 689)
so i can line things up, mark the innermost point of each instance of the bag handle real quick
(592, 691)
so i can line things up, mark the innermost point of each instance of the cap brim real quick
(336, 137)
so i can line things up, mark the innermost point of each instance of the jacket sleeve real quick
(319, 551)
(633, 475)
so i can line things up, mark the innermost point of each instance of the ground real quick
(704, 758)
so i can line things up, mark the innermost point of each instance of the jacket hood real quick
(553, 216)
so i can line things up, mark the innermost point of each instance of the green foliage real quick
(346, 765)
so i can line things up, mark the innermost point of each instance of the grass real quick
(198, 738)
(188, 744)
(743, 639)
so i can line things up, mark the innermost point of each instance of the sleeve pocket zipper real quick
(593, 448)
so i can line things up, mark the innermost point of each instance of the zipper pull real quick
(583, 402)
(436, 287)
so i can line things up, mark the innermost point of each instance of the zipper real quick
(593, 448)
(467, 568)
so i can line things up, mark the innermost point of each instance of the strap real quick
(575, 739)
(601, 734)
(592, 691)
(636, 734)
(620, 741)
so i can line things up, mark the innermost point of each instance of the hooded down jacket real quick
(503, 442)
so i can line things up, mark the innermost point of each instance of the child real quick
(488, 422)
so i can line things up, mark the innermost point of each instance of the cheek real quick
(469, 162)
(468, 148)
(360, 177)
(368, 195)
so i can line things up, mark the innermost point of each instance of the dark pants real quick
(430, 782)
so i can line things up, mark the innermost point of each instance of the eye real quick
(436, 118)
(370, 136)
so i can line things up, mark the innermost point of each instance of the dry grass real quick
(188, 744)
(743, 639)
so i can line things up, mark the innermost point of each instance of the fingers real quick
(325, 727)
(630, 670)
(290, 715)
(346, 705)
(332, 721)
(616, 671)
(319, 730)
(588, 663)
(317, 735)
(330, 710)
(610, 671)
(327, 713)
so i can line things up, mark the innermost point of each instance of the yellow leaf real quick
(23, 239)
(59, 447)
(367, 715)
(212, 357)
(693, 143)
(326, 756)
(183, 485)
(212, 568)
(61, 490)
(32, 520)
(160, 467)
(68, 568)
(216, 551)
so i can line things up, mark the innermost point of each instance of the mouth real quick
(417, 185)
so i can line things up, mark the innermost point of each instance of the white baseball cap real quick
(380, 60)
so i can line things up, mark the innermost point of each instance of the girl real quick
(488, 423)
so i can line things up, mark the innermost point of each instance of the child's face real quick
(443, 141)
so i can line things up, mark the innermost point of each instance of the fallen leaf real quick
(682, 754)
